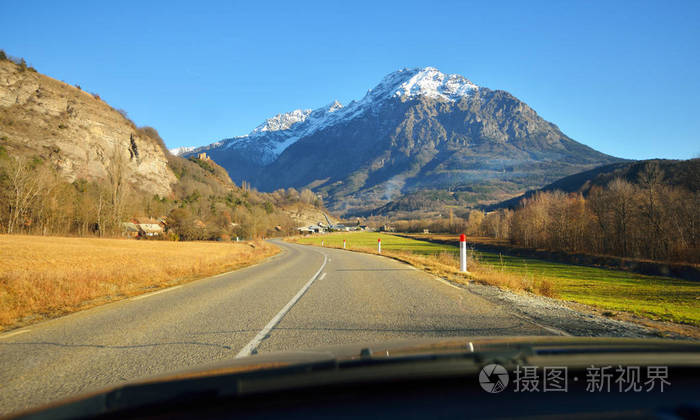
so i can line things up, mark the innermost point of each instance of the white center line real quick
(155, 293)
(248, 349)
(14, 333)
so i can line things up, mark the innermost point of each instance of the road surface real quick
(304, 297)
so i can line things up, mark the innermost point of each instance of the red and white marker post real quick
(343, 243)
(379, 245)
(463, 253)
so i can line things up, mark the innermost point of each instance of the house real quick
(311, 229)
(140, 227)
(148, 226)
(130, 229)
(387, 228)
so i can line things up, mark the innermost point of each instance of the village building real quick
(140, 227)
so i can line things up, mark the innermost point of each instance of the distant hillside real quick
(680, 173)
(425, 203)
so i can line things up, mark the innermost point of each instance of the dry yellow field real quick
(43, 277)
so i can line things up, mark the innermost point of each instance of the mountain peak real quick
(283, 121)
(334, 106)
(423, 82)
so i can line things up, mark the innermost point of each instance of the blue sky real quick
(621, 77)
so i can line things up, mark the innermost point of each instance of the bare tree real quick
(650, 181)
(474, 222)
(117, 188)
(24, 189)
(622, 200)
(307, 196)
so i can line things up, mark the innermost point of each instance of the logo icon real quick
(493, 378)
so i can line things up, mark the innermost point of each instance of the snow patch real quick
(282, 121)
(181, 150)
(427, 82)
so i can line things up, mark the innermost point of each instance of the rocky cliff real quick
(76, 131)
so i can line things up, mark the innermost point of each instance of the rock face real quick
(76, 131)
(417, 129)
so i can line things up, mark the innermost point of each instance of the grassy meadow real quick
(43, 277)
(653, 297)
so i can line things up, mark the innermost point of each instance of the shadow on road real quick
(114, 347)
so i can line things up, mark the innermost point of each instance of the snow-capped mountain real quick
(418, 128)
(272, 137)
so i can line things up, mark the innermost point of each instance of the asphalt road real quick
(304, 297)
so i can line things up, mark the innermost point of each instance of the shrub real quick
(203, 164)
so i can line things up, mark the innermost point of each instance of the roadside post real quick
(379, 245)
(463, 253)
(343, 243)
(321, 242)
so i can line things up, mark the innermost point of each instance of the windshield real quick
(190, 184)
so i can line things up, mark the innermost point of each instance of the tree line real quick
(623, 219)
(36, 199)
(646, 219)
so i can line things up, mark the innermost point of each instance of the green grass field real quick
(654, 297)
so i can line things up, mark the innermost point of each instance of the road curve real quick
(301, 298)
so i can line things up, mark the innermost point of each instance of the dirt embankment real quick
(653, 268)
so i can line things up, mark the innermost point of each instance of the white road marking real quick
(553, 330)
(221, 275)
(13, 333)
(156, 293)
(322, 276)
(255, 342)
(448, 283)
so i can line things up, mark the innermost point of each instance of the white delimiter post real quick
(379, 245)
(343, 243)
(463, 253)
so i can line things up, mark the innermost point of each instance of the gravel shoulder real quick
(559, 315)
